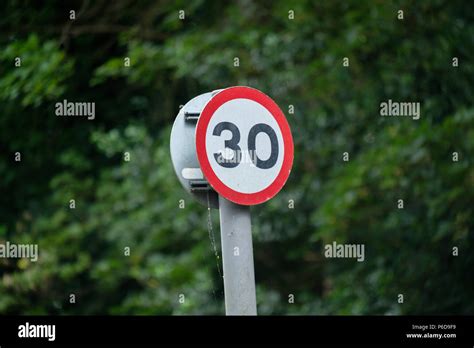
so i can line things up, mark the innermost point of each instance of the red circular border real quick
(212, 105)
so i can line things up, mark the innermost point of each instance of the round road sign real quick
(244, 145)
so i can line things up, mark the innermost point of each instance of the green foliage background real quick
(297, 62)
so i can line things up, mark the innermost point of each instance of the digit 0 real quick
(263, 128)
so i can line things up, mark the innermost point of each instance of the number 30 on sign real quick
(244, 145)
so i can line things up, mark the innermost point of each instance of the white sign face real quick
(244, 145)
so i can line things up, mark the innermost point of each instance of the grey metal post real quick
(237, 258)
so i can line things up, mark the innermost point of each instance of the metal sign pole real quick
(237, 258)
(233, 184)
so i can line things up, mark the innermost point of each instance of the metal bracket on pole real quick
(183, 152)
(237, 258)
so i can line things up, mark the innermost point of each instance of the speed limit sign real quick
(244, 145)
